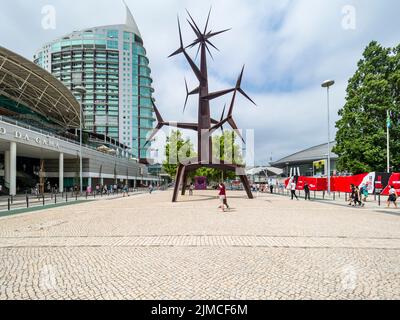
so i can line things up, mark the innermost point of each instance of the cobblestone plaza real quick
(145, 247)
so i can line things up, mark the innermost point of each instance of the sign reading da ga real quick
(43, 141)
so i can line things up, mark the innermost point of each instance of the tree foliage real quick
(224, 146)
(177, 149)
(372, 91)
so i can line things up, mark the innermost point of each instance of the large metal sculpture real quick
(206, 125)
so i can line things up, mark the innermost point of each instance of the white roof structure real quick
(271, 171)
(28, 84)
(130, 21)
(307, 156)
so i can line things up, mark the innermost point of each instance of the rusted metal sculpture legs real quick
(183, 173)
(246, 186)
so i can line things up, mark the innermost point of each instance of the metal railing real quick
(42, 200)
(334, 196)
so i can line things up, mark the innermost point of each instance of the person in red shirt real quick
(222, 197)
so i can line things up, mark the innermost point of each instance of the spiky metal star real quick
(205, 125)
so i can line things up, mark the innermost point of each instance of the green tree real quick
(177, 150)
(372, 91)
(228, 151)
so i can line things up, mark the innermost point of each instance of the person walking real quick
(191, 188)
(307, 191)
(357, 197)
(125, 191)
(222, 197)
(352, 194)
(293, 190)
(271, 186)
(392, 197)
(364, 193)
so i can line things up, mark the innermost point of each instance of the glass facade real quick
(111, 63)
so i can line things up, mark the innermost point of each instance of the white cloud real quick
(289, 47)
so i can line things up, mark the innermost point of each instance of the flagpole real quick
(388, 141)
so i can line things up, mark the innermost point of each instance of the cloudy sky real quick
(288, 46)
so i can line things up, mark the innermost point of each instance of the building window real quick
(112, 33)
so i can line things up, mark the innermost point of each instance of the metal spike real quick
(232, 123)
(244, 94)
(217, 33)
(194, 29)
(181, 49)
(153, 134)
(230, 112)
(198, 30)
(211, 44)
(158, 114)
(222, 117)
(223, 113)
(209, 52)
(208, 19)
(180, 33)
(239, 81)
(195, 42)
(187, 96)
(214, 95)
(197, 53)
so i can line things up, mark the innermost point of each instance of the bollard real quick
(27, 201)
(334, 196)
(323, 195)
(379, 199)
(66, 197)
(55, 199)
(9, 204)
(315, 195)
(43, 199)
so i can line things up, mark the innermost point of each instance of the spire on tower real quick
(130, 21)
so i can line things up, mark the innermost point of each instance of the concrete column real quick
(7, 168)
(13, 168)
(61, 173)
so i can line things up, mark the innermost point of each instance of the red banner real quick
(393, 181)
(343, 184)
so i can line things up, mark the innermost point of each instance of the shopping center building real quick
(110, 63)
(39, 135)
(309, 162)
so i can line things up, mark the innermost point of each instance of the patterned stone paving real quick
(145, 247)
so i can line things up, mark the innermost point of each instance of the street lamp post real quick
(327, 84)
(81, 91)
(388, 126)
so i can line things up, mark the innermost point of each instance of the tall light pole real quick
(327, 84)
(388, 126)
(81, 91)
